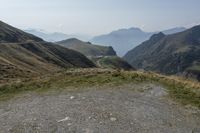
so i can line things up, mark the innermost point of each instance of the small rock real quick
(65, 119)
(113, 119)
(72, 97)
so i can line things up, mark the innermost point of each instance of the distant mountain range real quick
(125, 39)
(170, 54)
(23, 54)
(56, 36)
(87, 48)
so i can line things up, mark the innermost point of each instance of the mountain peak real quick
(135, 29)
(168, 54)
(87, 48)
(174, 30)
(157, 36)
(11, 34)
(195, 28)
(73, 39)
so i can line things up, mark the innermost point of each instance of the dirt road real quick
(128, 108)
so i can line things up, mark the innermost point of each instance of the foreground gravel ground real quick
(128, 108)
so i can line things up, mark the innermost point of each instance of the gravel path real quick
(124, 109)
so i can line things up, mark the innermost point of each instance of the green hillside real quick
(87, 48)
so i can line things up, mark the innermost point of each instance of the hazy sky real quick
(99, 16)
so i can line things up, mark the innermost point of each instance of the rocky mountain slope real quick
(22, 54)
(11, 34)
(169, 54)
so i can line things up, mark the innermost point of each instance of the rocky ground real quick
(142, 108)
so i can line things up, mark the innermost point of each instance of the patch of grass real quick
(194, 69)
(64, 80)
(114, 62)
(182, 90)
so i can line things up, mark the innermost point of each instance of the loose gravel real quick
(142, 108)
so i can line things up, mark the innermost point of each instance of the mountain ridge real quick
(123, 40)
(169, 54)
(87, 48)
(28, 55)
(11, 34)
(102, 56)
(56, 36)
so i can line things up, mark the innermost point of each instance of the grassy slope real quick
(114, 62)
(195, 68)
(25, 55)
(184, 91)
(35, 58)
(87, 48)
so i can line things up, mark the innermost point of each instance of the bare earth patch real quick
(121, 109)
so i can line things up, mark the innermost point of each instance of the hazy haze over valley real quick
(94, 17)
(90, 19)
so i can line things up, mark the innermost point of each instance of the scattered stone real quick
(69, 124)
(113, 119)
(72, 97)
(65, 119)
(108, 115)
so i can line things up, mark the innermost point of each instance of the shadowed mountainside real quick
(22, 54)
(11, 34)
(169, 54)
